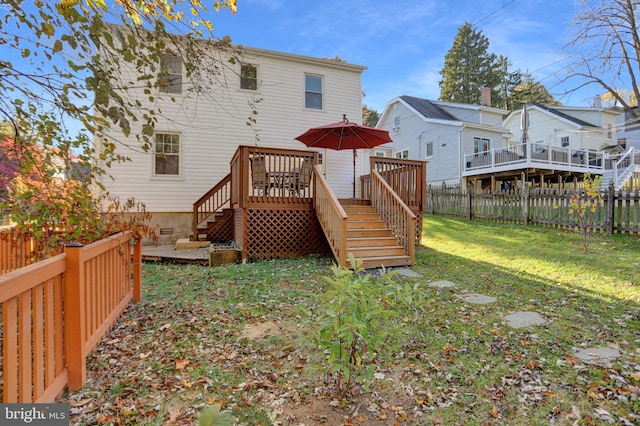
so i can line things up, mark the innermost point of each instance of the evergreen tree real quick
(468, 66)
(529, 90)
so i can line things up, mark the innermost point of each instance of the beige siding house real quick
(197, 135)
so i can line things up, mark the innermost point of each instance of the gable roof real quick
(575, 120)
(428, 109)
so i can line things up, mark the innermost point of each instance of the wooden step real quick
(380, 251)
(358, 209)
(364, 216)
(368, 233)
(386, 261)
(379, 241)
(366, 224)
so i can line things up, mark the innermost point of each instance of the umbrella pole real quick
(354, 174)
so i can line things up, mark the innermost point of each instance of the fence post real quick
(137, 270)
(610, 200)
(74, 315)
(470, 204)
(526, 198)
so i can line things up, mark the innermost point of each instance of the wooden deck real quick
(539, 163)
(276, 203)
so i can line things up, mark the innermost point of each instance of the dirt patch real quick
(262, 329)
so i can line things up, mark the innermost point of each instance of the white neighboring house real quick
(629, 129)
(196, 136)
(565, 126)
(442, 133)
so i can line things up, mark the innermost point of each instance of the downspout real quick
(460, 158)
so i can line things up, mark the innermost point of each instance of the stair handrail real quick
(332, 217)
(625, 163)
(213, 201)
(398, 216)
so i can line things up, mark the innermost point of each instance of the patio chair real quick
(259, 177)
(302, 176)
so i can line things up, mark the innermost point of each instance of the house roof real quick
(563, 115)
(428, 108)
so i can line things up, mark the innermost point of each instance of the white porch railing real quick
(535, 155)
(624, 167)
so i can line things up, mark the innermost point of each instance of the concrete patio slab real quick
(524, 319)
(442, 284)
(597, 355)
(477, 299)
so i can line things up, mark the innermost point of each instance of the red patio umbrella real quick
(345, 135)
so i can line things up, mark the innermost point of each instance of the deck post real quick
(137, 270)
(74, 315)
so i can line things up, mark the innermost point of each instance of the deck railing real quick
(407, 178)
(55, 312)
(535, 155)
(399, 218)
(216, 199)
(278, 181)
(332, 218)
(626, 164)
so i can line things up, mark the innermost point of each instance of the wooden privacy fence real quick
(619, 213)
(54, 312)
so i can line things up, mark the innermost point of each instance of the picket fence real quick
(54, 312)
(619, 212)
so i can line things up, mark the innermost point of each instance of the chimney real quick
(485, 96)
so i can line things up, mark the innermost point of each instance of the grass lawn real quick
(242, 336)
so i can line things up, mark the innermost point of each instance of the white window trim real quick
(401, 152)
(255, 67)
(181, 86)
(179, 176)
(426, 149)
(305, 91)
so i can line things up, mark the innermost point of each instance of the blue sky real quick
(403, 44)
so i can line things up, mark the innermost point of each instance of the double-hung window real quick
(429, 149)
(312, 91)
(171, 74)
(481, 145)
(564, 141)
(404, 154)
(167, 154)
(248, 77)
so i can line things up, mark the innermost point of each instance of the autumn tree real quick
(60, 82)
(370, 117)
(606, 44)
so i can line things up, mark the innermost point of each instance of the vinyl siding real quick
(212, 127)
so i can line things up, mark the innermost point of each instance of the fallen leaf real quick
(181, 364)
(494, 411)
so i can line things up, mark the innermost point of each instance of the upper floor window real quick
(167, 154)
(396, 124)
(609, 131)
(429, 149)
(171, 77)
(564, 141)
(248, 77)
(404, 154)
(481, 145)
(312, 91)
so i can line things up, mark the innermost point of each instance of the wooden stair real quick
(219, 227)
(369, 239)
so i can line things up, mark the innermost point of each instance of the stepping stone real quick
(477, 299)
(406, 272)
(442, 284)
(524, 319)
(597, 355)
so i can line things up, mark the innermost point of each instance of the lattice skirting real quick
(269, 234)
(222, 230)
